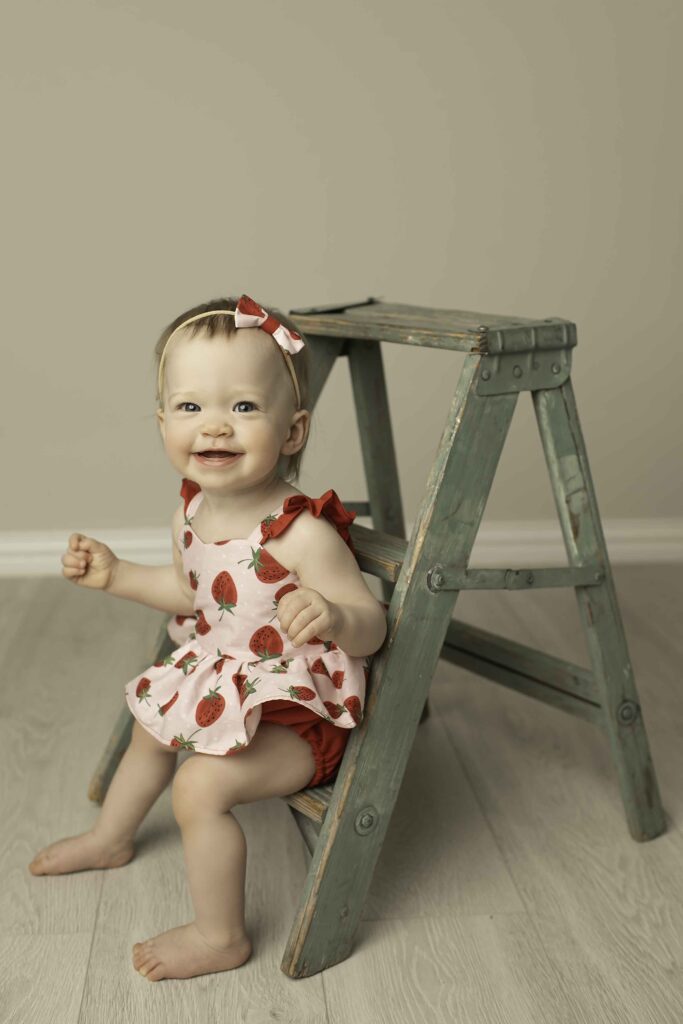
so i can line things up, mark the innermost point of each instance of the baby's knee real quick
(201, 786)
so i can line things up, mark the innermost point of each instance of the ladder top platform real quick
(483, 333)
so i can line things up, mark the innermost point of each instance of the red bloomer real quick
(327, 741)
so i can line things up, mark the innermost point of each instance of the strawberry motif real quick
(142, 689)
(352, 705)
(282, 666)
(187, 539)
(320, 668)
(266, 524)
(202, 626)
(188, 663)
(234, 748)
(267, 568)
(338, 678)
(335, 710)
(224, 592)
(194, 579)
(210, 708)
(328, 644)
(281, 593)
(299, 693)
(222, 658)
(184, 744)
(266, 642)
(181, 619)
(245, 687)
(169, 704)
(168, 660)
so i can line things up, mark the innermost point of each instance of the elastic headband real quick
(248, 314)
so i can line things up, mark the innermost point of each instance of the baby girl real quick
(273, 620)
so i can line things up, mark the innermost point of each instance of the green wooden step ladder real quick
(344, 823)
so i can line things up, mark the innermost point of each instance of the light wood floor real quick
(508, 889)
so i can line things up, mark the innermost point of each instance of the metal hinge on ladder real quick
(524, 357)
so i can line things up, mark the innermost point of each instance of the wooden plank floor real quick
(508, 889)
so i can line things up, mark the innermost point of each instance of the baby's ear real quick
(160, 420)
(298, 431)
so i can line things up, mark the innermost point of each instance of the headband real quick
(249, 314)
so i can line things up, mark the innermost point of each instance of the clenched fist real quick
(88, 562)
(304, 613)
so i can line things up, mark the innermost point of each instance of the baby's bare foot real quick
(78, 853)
(184, 953)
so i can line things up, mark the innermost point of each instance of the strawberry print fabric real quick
(232, 656)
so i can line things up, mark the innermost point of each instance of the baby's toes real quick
(140, 955)
(154, 970)
(36, 865)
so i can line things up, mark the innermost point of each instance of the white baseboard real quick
(503, 545)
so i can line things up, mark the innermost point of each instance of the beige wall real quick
(519, 158)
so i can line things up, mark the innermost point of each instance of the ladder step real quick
(377, 553)
(312, 803)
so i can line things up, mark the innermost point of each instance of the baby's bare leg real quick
(275, 763)
(145, 770)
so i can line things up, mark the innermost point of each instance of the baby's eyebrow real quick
(238, 390)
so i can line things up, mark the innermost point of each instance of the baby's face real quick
(233, 394)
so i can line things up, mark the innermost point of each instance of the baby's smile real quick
(217, 457)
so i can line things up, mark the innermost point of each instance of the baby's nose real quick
(217, 427)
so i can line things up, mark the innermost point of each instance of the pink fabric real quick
(233, 657)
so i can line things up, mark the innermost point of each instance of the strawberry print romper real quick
(234, 667)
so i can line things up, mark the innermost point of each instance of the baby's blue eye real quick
(242, 402)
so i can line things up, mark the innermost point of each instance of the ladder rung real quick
(523, 668)
(378, 553)
(313, 803)
(457, 578)
(382, 555)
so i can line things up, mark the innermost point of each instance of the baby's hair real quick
(225, 325)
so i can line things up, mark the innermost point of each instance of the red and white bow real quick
(249, 314)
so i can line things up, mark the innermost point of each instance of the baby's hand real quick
(304, 613)
(88, 562)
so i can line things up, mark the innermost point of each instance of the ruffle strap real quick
(327, 504)
(188, 490)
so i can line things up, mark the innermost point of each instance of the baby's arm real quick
(327, 568)
(92, 564)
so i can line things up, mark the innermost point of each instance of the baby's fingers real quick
(79, 544)
(75, 564)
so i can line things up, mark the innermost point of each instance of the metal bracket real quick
(524, 357)
(444, 577)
